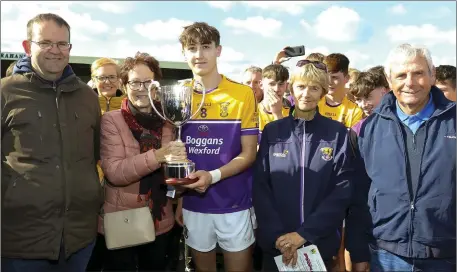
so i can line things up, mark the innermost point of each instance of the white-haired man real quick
(252, 77)
(408, 148)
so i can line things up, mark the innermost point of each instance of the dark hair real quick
(46, 17)
(316, 57)
(277, 72)
(366, 82)
(140, 58)
(446, 72)
(378, 70)
(337, 62)
(199, 32)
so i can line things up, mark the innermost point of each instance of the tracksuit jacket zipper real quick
(302, 178)
(62, 167)
(107, 104)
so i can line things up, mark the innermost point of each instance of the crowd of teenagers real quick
(361, 164)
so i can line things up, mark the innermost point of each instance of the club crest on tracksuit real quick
(327, 153)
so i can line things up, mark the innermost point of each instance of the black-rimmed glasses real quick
(317, 64)
(112, 79)
(136, 85)
(63, 46)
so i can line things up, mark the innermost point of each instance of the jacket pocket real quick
(25, 197)
(84, 147)
(372, 200)
(390, 215)
(27, 129)
(8, 188)
(435, 220)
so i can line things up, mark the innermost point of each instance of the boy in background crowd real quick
(445, 80)
(274, 84)
(368, 90)
(252, 77)
(335, 105)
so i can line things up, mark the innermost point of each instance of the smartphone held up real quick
(294, 51)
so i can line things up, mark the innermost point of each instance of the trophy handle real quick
(192, 116)
(156, 84)
(152, 103)
(200, 106)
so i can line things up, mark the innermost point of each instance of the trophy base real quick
(176, 173)
(175, 182)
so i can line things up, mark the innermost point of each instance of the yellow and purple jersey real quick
(266, 117)
(213, 139)
(347, 112)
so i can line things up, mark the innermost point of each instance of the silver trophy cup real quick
(176, 101)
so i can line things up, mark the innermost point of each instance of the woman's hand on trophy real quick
(176, 152)
(173, 151)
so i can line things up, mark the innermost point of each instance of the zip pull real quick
(76, 115)
(40, 116)
(54, 86)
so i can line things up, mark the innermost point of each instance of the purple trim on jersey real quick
(358, 126)
(249, 131)
(291, 100)
(211, 145)
(207, 92)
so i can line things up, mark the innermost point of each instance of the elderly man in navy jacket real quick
(408, 146)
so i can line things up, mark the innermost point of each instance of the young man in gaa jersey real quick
(335, 105)
(274, 84)
(222, 142)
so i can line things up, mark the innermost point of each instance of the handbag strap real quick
(118, 194)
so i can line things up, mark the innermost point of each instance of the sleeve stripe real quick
(247, 129)
(251, 132)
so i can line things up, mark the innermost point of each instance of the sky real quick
(252, 32)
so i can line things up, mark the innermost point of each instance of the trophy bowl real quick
(176, 101)
(176, 173)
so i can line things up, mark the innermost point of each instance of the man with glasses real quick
(51, 195)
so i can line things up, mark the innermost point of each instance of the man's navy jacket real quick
(418, 224)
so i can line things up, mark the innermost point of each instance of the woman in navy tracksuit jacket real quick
(302, 180)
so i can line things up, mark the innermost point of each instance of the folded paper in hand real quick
(309, 259)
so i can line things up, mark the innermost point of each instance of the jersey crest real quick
(224, 109)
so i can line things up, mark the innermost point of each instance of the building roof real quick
(89, 60)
